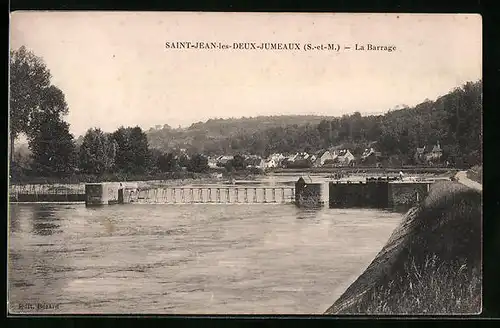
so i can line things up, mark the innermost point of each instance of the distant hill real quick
(214, 135)
(452, 120)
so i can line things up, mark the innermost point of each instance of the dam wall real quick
(407, 193)
(376, 194)
(359, 194)
(311, 194)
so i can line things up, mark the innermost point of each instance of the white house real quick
(327, 155)
(255, 162)
(271, 163)
(371, 156)
(293, 157)
(435, 154)
(344, 157)
(222, 160)
(304, 155)
(212, 163)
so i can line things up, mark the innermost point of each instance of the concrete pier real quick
(97, 194)
(309, 194)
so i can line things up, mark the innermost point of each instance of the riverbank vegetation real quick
(430, 265)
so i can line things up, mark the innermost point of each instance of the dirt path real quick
(462, 178)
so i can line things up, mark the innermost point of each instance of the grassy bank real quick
(430, 265)
(476, 174)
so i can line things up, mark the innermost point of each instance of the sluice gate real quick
(215, 195)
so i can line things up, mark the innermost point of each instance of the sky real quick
(115, 70)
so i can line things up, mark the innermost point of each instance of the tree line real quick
(124, 152)
(37, 110)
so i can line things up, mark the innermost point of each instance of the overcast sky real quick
(114, 68)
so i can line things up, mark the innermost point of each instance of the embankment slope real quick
(431, 264)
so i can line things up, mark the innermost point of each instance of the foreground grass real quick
(432, 288)
(430, 265)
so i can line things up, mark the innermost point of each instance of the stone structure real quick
(309, 195)
(376, 194)
(407, 193)
(102, 194)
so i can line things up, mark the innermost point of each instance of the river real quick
(187, 259)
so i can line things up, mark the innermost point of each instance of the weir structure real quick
(383, 193)
(371, 193)
(378, 193)
(102, 194)
(44, 193)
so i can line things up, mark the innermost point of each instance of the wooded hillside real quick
(453, 120)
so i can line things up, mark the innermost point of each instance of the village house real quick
(324, 158)
(292, 157)
(255, 162)
(271, 163)
(222, 160)
(371, 157)
(274, 160)
(344, 158)
(420, 155)
(212, 162)
(301, 156)
(435, 154)
(294, 160)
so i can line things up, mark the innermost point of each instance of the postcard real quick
(244, 163)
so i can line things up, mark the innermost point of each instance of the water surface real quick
(189, 259)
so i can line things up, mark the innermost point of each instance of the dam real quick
(378, 193)
(104, 194)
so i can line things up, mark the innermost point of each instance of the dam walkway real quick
(463, 179)
(213, 195)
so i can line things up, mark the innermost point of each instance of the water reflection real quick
(36, 268)
(14, 214)
(44, 221)
(308, 213)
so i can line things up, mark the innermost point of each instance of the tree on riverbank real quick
(36, 109)
(97, 152)
(29, 81)
(168, 163)
(132, 152)
(53, 148)
(198, 164)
